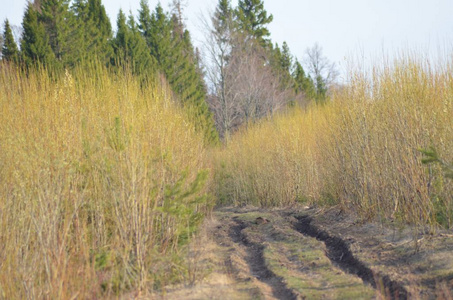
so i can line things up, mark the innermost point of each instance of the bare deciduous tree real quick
(322, 71)
(242, 85)
(258, 87)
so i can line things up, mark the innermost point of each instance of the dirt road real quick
(252, 253)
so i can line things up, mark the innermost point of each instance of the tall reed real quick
(102, 182)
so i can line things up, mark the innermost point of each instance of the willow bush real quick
(103, 182)
(360, 150)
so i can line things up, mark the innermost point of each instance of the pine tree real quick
(252, 19)
(223, 15)
(10, 52)
(35, 43)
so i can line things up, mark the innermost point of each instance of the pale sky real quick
(343, 28)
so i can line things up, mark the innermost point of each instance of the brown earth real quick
(302, 253)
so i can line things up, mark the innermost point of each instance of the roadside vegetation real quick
(102, 184)
(116, 146)
(360, 150)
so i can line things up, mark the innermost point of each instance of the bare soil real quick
(303, 253)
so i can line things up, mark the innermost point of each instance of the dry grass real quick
(102, 181)
(360, 150)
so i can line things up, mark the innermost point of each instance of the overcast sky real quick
(343, 28)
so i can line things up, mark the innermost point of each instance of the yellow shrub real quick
(361, 149)
(102, 180)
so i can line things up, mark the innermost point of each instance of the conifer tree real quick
(302, 82)
(10, 52)
(187, 78)
(35, 43)
(1, 45)
(94, 28)
(121, 42)
(170, 44)
(282, 63)
(223, 15)
(141, 58)
(252, 19)
(56, 18)
(130, 47)
(286, 60)
(144, 21)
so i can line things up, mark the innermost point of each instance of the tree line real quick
(241, 76)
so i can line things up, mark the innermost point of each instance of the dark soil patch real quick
(339, 253)
(255, 260)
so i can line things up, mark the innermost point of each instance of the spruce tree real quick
(1, 45)
(170, 44)
(121, 42)
(252, 19)
(187, 78)
(141, 58)
(302, 82)
(56, 18)
(286, 60)
(144, 21)
(282, 65)
(130, 47)
(35, 43)
(10, 52)
(95, 30)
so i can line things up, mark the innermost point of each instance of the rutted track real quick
(339, 253)
(256, 261)
(255, 253)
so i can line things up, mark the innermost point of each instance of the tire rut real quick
(339, 253)
(255, 260)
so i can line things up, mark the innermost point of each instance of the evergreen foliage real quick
(282, 63)
(10, 52)
(252, 19)
(130, 48)
(170, 44)
(286, 60)
(35, 45)
(57, 21)
(302, 82)
(223, 16)
(431, 156)
(95, 29)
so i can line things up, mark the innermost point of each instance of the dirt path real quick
(257, 263)
(339, 253)
(252, 253)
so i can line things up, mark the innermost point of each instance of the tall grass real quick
(102, 182)
(360, 150)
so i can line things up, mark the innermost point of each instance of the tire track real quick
(255, 260)
(340, 254)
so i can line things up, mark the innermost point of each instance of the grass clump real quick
(103, 181)
(360, 150)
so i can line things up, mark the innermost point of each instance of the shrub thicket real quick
(360, 150)
(103, 182)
